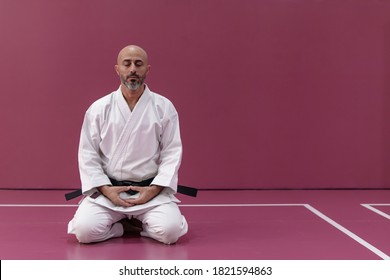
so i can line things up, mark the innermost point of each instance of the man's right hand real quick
(113, 194)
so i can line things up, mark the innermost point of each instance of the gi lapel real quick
(132, 120)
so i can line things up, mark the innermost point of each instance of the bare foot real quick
(131, 227)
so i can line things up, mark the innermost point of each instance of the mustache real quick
(132, 76)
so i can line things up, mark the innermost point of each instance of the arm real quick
(170, 151)
(90, 163)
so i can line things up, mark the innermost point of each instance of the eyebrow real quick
(135, 60)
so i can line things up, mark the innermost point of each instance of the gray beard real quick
(133, 85)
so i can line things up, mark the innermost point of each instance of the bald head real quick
(132, 50)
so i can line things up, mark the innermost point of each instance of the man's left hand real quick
(145, 194)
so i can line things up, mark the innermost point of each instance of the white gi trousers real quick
(94, 223)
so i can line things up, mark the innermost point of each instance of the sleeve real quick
(170, 152)
(92, 174)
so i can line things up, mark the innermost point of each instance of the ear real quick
(147, 71)
(117, 69)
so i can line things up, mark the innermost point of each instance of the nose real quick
(132, 68)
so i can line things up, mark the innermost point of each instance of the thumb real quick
(134, 188)
(124, 189)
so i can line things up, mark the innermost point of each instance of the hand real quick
(112, 193)
(145, 194)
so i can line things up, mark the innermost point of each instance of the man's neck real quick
(132, 96)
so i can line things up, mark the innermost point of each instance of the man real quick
(133, 135)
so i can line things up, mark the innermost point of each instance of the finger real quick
(134, 201)
(114, 191)
(134, 188)
(124, 189)
(124, 203)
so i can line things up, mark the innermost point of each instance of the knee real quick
(88, 231)
(84, 231)
(168, 232)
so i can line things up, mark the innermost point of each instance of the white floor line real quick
(349, 233)
(370, 207)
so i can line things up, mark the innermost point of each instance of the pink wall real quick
(271, 93)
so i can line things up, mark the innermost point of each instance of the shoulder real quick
(101, 105)
(160, 99)
(162, 103)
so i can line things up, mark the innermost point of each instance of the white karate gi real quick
(130, 145)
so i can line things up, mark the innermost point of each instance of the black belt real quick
(180, 188)
(131, 183)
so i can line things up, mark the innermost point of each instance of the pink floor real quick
(272, 225)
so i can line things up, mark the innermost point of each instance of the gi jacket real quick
(136, 145)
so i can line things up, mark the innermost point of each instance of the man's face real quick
(132, 68)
